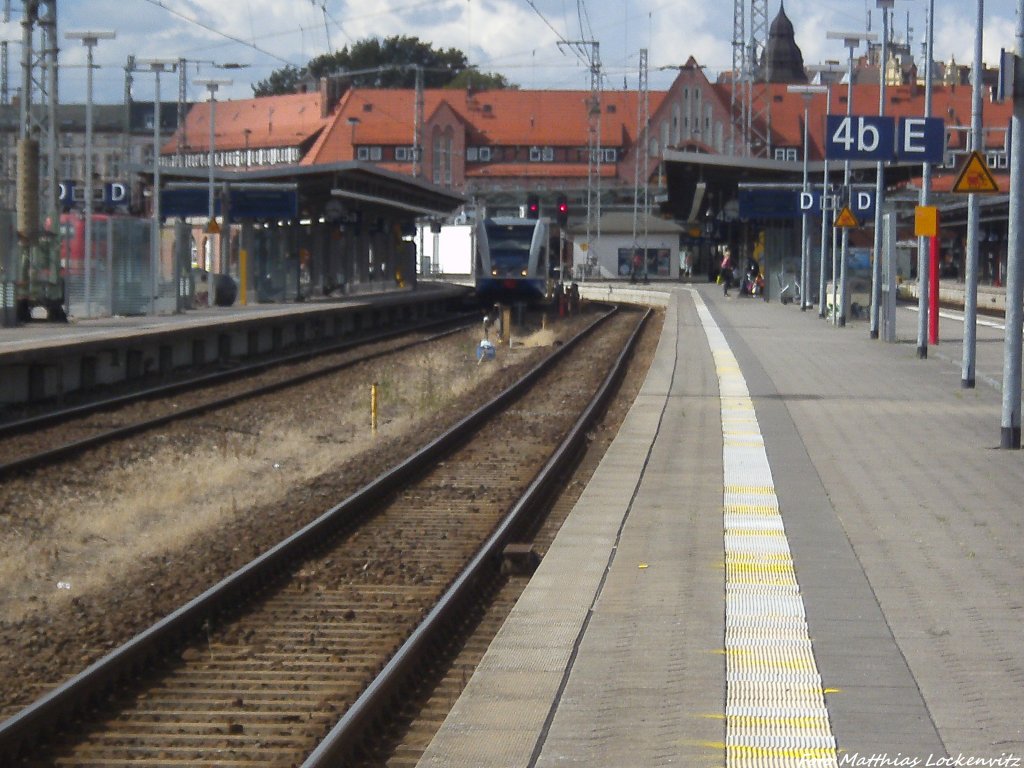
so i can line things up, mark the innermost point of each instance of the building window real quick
(443, 146)
(534, 154)
(997, 160)
(610, 155)
(472, 154)
(788, 154)
(403, 154)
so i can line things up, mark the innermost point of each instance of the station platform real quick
(41, 360)
(802, 549)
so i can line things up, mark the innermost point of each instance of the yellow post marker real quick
(243, 276)
(926, 221)
(373, 408)
(506, 325)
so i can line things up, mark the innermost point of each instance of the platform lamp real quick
(807, 92)
(851, 40)
(156, 66)
(212, 85)
(876, 265)
(89, 38)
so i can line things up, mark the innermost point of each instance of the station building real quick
(356, 168)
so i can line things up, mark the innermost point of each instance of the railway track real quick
(333, 605)
(409, 732)
(50, 437)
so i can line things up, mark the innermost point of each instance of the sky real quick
(533, 43)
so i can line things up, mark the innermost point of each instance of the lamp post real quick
(825, 223)
(1009, 427)
(212, 85)
(89, 38)
(850, 41)
(876, 265)
(807, 92)
(973, 211)
(923, 255)
(156, 66)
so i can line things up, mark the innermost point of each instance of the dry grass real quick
(85, 537)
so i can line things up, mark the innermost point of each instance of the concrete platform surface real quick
(802, 549)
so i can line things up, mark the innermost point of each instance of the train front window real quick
(510, 248)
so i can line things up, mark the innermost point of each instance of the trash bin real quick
(225, 290)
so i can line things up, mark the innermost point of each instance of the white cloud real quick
(506, 36)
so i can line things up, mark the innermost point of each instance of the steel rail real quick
(345, 738)
(42, 458)
(48, 713)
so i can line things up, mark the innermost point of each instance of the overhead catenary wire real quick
(214, 30)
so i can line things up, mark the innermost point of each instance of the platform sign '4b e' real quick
(853, 137)
(881, 138)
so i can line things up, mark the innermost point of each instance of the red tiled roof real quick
(536, 170)
(271, 121)
(497, 118)
(951, 103)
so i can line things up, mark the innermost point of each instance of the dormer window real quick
(542, 154)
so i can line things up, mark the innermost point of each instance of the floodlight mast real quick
(156, 66)
(212, 84)
(90, 39)
(851, 40)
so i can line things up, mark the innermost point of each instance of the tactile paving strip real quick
(775, 704)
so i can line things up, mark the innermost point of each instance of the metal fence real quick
(117, 275)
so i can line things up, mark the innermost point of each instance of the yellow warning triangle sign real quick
(212, 227)
(975, 176)
(846, 219)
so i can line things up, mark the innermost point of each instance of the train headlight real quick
(523, 273)
(494, 273)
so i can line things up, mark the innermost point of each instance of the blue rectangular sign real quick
(860, 201)
(264, 204)
(776, 203)
(921, 139)
(768, 204)
(243, 203)
(182, 203)
(860, 137)
(877, 137)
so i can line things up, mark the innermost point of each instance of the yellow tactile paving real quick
(775, 706)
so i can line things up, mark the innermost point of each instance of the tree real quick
(470, 79)
(281, 81)
(393, 62)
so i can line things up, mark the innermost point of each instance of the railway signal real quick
(562, 211)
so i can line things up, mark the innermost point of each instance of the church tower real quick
(783, 61)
